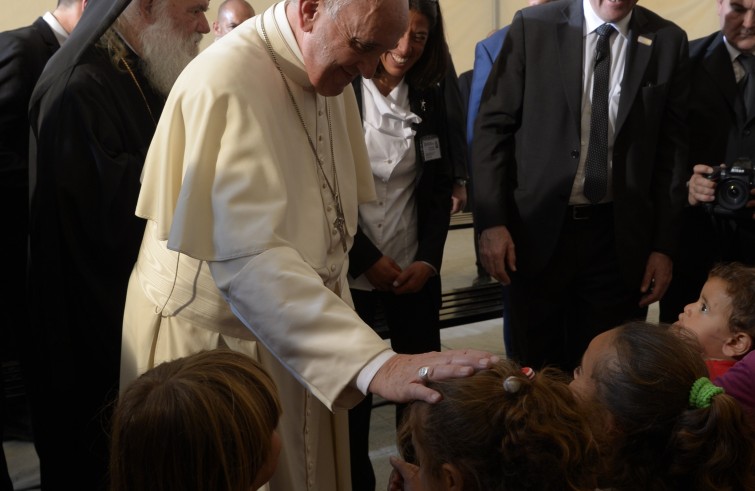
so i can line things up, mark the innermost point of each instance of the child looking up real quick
(499, 429)
(723, 318)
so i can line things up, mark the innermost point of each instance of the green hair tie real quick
(702, 392)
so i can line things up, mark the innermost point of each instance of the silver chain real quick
(340, 221)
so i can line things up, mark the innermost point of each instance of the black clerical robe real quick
(93, 125)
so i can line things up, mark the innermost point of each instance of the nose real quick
(749, 19)
(404, 46)
(203, 26)
(368, 66)
(688, 309)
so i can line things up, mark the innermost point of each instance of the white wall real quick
(467, 21)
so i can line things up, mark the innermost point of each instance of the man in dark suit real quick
(593, 242)
(721, 131)
(23, 54)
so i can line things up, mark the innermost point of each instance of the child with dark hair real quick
(205, 422)
(723, 319)
(501, 429)
(660, 422)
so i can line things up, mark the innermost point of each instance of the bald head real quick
(231, 13)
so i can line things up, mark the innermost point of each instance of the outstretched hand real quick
(398, 380)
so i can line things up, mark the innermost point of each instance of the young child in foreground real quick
(205, 422)
(660, 422)
(501, 429)
(723, 319)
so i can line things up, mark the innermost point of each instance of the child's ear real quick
(451, 477)
(738, 345)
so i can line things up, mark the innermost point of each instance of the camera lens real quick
(732, 194)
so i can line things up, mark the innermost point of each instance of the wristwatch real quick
(461, 181)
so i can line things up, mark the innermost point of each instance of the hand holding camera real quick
(725, 191)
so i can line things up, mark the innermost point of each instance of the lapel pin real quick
(645, 41)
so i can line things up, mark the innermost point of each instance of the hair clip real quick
(702, 392)
(512, 384)
(528, 372)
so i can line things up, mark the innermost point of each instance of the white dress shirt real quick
(390, 222)
(60, 34)
(619, 42)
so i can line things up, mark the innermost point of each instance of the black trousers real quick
(414, 326)
(580, 294)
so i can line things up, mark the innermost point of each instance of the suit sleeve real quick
(434, 212)
(496, 125)
(455, 123)
(363, 254)
(671, 161)
(16, 83)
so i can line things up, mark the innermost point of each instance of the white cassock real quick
(252, 259)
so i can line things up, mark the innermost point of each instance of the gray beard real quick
(165, 53)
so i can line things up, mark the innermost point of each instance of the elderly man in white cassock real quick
(251, 188)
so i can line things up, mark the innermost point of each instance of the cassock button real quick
(747, 132)
(574, 154)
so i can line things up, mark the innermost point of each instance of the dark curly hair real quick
(534, 439)
(740, 286)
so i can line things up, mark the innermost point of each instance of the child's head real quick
(203, 422)
(723, 318)
(486, 436)
(653, 434)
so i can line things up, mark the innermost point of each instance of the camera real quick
(733, 185)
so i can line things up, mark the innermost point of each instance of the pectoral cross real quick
(340, 222)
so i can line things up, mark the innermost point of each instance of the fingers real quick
(476, 359)
(399, 380)
(497, 252)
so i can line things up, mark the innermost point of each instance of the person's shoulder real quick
(748, 361)
(650, 21)
(17, 39)
(698, 47)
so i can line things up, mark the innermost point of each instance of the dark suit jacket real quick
(527, 136)
(719, 133)
(23, 55)
(456, 118)
(433, 192)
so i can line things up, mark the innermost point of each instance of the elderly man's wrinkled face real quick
(171, 41)
(738, 23)
(339, 46)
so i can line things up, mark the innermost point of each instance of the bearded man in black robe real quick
(93, 114)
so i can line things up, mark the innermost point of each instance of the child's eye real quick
(703, 308)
